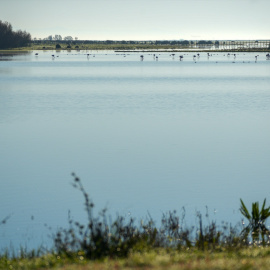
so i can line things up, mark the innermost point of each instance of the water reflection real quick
(15, 56)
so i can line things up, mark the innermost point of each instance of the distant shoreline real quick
(149, 47)
(25, 50)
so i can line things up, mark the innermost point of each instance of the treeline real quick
(12, 39)
(123, 42)
(155, 42)
(137, 43)
(109, 42)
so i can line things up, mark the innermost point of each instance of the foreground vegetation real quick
(123, 244)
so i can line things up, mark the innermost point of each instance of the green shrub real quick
(257, 219)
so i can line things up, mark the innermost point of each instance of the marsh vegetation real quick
(104, 242)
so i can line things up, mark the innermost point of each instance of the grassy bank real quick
(245, 258)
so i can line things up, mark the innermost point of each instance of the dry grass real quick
(245, 258)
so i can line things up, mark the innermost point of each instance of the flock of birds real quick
(181, 57)
(197, 56)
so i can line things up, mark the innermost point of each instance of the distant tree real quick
(202, 42)
(68, 38)
(12, 39)
(58, 46)
(57, 37)
(186, 42)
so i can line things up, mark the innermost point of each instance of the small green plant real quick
(257, 219)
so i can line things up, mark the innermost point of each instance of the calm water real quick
(142, 135)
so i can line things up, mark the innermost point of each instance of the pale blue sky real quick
(140, 19)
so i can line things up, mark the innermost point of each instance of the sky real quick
(140, 19)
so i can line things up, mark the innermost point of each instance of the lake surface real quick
(152, 135)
